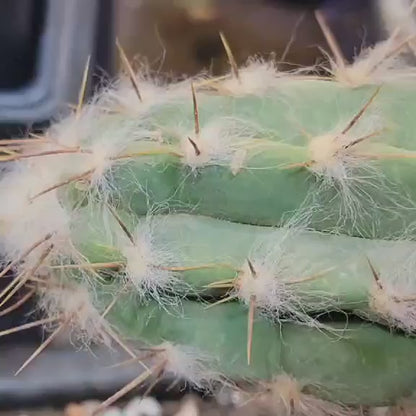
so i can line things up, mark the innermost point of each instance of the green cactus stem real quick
(292, 272)
(343, 157)
(362, 364)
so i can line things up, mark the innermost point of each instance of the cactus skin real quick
(350, 368)
(333, 272)
(379, 186)
(108, 223)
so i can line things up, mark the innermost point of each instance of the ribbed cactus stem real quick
(258, 228)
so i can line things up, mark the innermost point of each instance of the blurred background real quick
(44, 47)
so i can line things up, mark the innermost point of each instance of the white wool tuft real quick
(393, 293)
(100, 155)
(269, 289)
(148, 262)
(188, 364)
(276, 268)
(74, 306)
(376, 65)
(220, 142)
(347, 171)
(90, 140)
(122, 97)
(99, 159)
(286, 398)
(326, 153)
(24, 222)
(334, 156)
(76, 128)
(93, 154)
(395, 304)
(256, 78)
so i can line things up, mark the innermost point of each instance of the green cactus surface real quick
(254, 152)
(355, 366)
(255, 230)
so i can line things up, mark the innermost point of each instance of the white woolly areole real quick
(337, 153)
(393, 293)
(269, 290)
(257, 78)
(88, 142)
(346, 166)
(333, 156)
(221, 142)
(24, 222)
(74, 306)
(270, 275)
(148, 262)
(376, 65)
(188, 364)
(394, 304)
(75, 128)
(99, 159)
(94, 154)
(123, 97)
(286, 398)
(101, 154)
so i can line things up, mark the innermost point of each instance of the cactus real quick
(343, 177)
(290, 272)
(254, 228)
